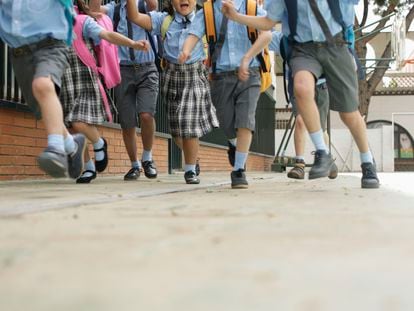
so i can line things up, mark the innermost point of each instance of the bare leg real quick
(147, 130)
(190, 148)
(129, 136)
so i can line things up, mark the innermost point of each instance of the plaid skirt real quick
(80, 96)
(187, 91)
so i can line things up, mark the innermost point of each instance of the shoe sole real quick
(52, 167)
(316, 176)
(82, 164)
(130, 179)
(150, 176)
(192, 182)
(239, 186)
(294, 176)
(370, 186)
(333, 176)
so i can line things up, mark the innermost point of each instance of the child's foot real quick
(150, 170)
(238, 179)
(101, 157)
(54, 162)
(75, 159)
(191, 178)
(86, 177)
(298, 171)
(132, 174)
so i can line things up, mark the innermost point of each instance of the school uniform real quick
(185, 86)
(321, 89)
(311, 51)
(38, 49)
(80, 95)
(138, 90)
(235, 100)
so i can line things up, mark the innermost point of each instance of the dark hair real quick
(82, 7)
(167, 6)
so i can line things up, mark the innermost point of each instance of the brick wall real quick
(22, 138)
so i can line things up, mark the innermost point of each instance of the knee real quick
(351, 118)
(303, 89)
(42, 87)
(78, 127)
(146, 118)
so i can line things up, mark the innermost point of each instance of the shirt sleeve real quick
(197, 26)
(274, 45)
(92, 30)
(110, 9)
(157, 18)
(275, 9)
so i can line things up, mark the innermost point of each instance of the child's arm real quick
(264, 39)
(142, 20)
(188, 47)
(258, 22)
(118, 39)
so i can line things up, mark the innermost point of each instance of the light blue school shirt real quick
(91, 30)
(308, 28)
(28, 21)
(138, 34)
(175, 36)
(236, 43)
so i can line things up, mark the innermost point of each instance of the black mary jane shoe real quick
(102, 164)
(86, 179)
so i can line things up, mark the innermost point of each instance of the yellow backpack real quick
(263, 58)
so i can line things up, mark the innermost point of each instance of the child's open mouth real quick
(184, 5)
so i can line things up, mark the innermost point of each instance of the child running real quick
(235, 100)
(36, 34)
(82, 97)
(185, 86)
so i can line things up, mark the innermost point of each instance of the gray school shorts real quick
(235, 101)
(336, 63)
(137, 93)
(46, 58)
(322, 102)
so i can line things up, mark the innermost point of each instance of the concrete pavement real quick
(163, 245)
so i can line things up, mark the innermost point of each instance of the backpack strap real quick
(292, 9)
(70, 17)
(165, 25)
(117, 16)
(210, 25)
(251, 10)
(143, 10)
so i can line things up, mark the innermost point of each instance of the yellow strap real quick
(165, 25)
(209, 21)
(251, 10)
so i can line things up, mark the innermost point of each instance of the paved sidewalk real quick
(156, 245)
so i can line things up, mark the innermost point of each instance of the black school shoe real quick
(150, 170)
(132, 174)
(53, 162)
(369, 178)
(102, 164)
(322, 165)
(86, 179)
(238, 179)
(191, 178)
(75, 159)
(197, 168)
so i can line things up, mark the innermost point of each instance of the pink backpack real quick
(106, 53)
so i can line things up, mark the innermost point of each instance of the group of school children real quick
(67, 93)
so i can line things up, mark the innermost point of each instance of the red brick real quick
(9, 170)
(7, 160)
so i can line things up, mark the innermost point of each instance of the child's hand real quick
(243, 72)
(142, 45)
(228, 9)
(183, 57)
